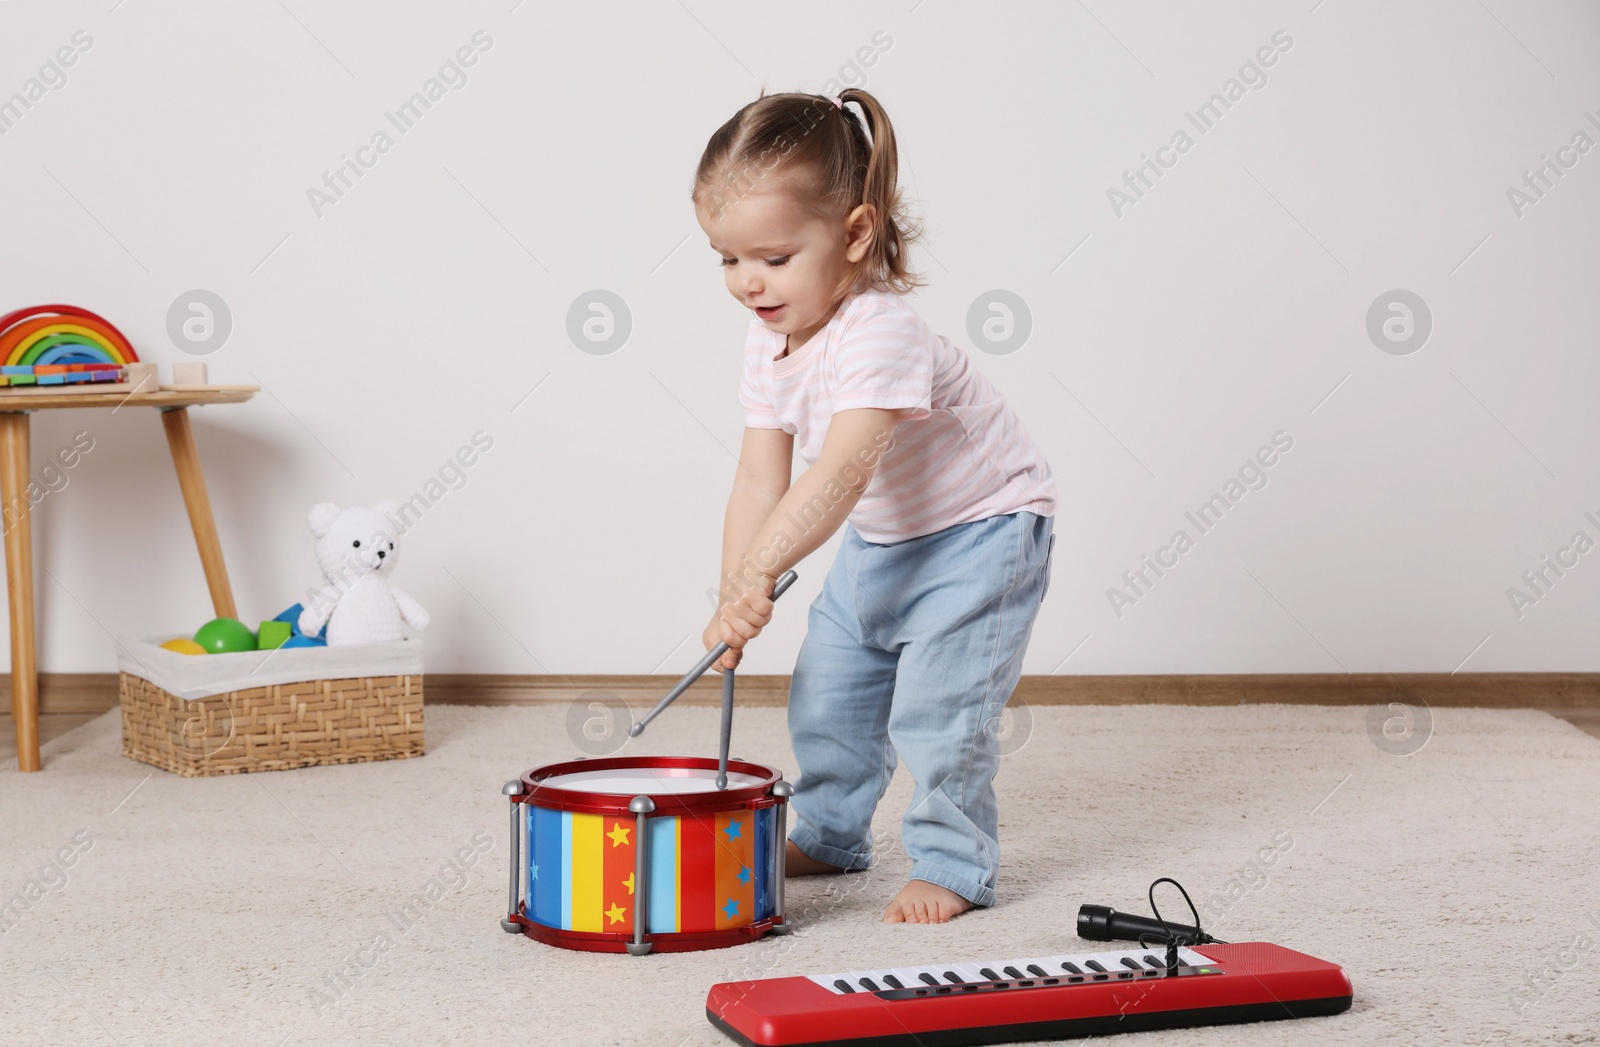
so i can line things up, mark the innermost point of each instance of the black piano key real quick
(1152, 961)
(1035, 969)
(892, 982)
(988, 972)
(1094, 965)
(1074, 968)
(842, 985)
(1012, 972)
(869, 985)
(952, 977)
(930, 979)
(1130, 963)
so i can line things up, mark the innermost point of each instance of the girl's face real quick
(784, 264)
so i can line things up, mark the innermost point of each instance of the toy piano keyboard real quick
(1035, 998)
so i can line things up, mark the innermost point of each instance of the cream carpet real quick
(1457, 885)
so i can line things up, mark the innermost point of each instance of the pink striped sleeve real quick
(883, 360)
(755, 395)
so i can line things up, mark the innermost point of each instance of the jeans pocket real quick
(1049, 557)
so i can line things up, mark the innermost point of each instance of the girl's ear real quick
(861, 229)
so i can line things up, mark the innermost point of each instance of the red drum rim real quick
(666, 803)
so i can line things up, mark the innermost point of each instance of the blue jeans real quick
(912, 650)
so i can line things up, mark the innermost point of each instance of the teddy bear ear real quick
(387, 508)
(321, 517)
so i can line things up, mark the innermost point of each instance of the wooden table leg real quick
(180, 439)
(18, 522)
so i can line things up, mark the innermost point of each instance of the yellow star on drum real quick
(616, 913)
(618, 834)
(628, 883)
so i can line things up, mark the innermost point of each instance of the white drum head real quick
(649, 781)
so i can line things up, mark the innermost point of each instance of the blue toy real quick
(296, 637)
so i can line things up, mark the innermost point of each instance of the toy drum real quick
(642, 853)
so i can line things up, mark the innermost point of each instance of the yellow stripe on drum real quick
(586, 871)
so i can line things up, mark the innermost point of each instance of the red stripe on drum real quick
(617, 884)
(697, 871)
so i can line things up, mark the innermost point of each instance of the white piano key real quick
(908, 976)
(969, 972)
(827, 981)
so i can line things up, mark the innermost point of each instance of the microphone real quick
(1101, 923)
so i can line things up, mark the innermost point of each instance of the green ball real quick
(225, 636)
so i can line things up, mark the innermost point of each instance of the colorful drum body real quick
(709, 872)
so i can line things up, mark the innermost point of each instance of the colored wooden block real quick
(16, 369)
(24, 379)
(273, 634)
(50, 369)
(184, 374)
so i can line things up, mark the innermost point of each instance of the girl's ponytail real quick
(886, 266)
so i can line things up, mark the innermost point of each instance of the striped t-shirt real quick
(959, 453)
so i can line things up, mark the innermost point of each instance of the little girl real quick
(916, 641)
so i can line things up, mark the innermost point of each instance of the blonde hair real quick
(821, 156)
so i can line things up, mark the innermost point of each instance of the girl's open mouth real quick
(768, 312)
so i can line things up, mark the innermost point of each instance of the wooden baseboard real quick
(97, 692)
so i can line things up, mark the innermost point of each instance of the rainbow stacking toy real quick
(61, 345)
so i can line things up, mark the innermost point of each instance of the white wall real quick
(1178, 337)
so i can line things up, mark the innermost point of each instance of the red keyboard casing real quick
(1258, 981)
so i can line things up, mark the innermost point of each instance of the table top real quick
(167, 398)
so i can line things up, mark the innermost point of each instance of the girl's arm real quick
(817, 503)
(766, 461)
(810, 511)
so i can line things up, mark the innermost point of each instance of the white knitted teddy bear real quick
(356, 551)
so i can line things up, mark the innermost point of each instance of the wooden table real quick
(14, 410)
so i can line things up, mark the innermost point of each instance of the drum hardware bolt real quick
(642, 807)
(513, 789)
(783, 790)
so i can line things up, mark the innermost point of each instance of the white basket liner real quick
(191, 676)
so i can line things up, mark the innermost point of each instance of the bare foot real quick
(922, 902)
(797, 863)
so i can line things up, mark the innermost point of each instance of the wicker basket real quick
(195, 720)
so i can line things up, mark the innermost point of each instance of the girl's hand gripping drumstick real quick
(784, 581)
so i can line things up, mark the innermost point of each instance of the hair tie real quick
(837, 104)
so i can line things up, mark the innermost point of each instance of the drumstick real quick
(727, 728)
(784, 581)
